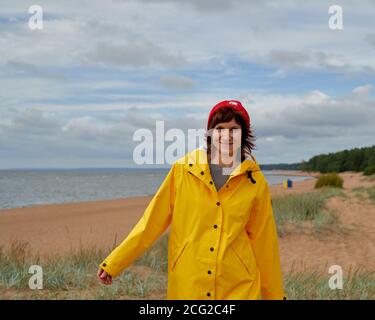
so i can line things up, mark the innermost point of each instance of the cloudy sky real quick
(73, 93)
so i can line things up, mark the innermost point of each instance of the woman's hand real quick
(104, 277)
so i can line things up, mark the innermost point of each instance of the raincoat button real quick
(209, 271)
(208, 294)
(104, 264)
(218, 203)
(190, 164)
(202, 173)
(212, 249)
(215, 226)
(211, 182)
(227, 186)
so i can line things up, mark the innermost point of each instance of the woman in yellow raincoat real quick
(222, 243)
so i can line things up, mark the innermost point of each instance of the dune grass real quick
(359, 192)
(300, 211)
(371, 193)
(364, 193)
(358, 284)
(73, 277)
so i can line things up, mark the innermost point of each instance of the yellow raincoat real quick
(222, 244)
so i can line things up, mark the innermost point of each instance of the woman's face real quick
(226, 137)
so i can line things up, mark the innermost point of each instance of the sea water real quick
(19, 188)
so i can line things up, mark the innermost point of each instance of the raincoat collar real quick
(197, 163)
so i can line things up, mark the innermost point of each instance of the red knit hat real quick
(234, 104)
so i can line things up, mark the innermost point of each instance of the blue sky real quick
(73, 93)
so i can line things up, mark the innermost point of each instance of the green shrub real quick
(369, 170)
(329, 179)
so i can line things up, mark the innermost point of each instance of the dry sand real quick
(61, 228)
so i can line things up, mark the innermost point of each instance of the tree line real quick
(357, 159)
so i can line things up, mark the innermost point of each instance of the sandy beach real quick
(64, 227)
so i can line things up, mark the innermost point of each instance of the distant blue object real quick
(289, 183)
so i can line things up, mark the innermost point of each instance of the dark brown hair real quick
(247, 136)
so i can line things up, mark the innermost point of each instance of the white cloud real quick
(176, 82)
(363, 90)
(316, 97)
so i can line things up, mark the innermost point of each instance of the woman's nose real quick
(226, 135)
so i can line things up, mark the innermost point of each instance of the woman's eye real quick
(230, 130)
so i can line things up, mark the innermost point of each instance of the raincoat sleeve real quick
(262, 232)
(153, 223)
